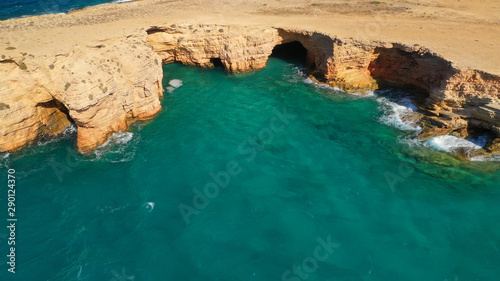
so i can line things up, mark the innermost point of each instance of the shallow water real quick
(310, 165)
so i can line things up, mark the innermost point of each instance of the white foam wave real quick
(451, 143)
(324, 86)
(150, 206)
(3, 159)
(123, 138)
(308, 80)
(367, 94)
(116, 149)
(297, 75)
(176, 83)
(121, 1)
(67, 133)
(4, 155)
(492, 158)
(120, 138)
(114, 2)
(397, 114)
(78, 276)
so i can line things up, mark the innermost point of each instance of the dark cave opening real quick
(58, 107)
(410, 71)
(55, 118)
(217, 63)
(293, 52)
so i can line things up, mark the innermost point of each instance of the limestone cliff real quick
(107, 85)
(102, 88)
(239, 49)
(453, 100)
(341, 63)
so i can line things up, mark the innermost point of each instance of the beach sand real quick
(466, 32)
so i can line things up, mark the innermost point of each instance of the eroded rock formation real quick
(104, 87)
(462, 102)
(238, 48)
(452, 100)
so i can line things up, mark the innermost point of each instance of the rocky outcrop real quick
(237, 48)
(101, 88)
(104, 87)
(462, 102)
(453, 100)
(341, 63)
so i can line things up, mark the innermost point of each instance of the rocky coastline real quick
(105, 86)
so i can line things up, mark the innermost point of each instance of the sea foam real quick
(67, 133)
(451, 143)
(324, 86)
(121, 1)
(118, 148)
(4, 155)
(397, 113)
(492, 158)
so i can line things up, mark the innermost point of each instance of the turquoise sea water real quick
(19, 8)
(310, 166)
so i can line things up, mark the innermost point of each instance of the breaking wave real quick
(120, 147)
(449, 143)
(398, 111)
(68, 133)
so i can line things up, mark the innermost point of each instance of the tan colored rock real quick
(101, 87)
(239, 49)
(105, 86)
(342, 63)
(459, 99)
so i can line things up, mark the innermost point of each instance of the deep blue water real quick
(313, 184)
(19, 8)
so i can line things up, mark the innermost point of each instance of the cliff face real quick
(101, 88)
(340, 63)
(452, 100)
(239, 49)
(457, 101)
(104, 87)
